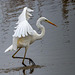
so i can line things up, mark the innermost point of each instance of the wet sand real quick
(54, 54)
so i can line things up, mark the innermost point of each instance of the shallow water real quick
(55, 51)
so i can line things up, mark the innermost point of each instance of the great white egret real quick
(24, 35)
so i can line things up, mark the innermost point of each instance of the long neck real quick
(42, 28)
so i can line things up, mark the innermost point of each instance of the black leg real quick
(30, 60)
(24, 56)
(13, 56)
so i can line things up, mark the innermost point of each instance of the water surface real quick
(55, 51)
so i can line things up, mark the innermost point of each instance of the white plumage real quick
(22, 29)
(24, 34)
(25, 15)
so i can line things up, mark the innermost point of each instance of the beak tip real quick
(51, 23)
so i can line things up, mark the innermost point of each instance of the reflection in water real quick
(65, 19)
(64, 9)
(39, 8)
(31, 68)
(9, 10)
(68, 6)
(65, 13)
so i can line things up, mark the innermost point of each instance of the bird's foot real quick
(31, 61)
(24, 64)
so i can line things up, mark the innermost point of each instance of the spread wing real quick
(25, 15)
(23, 28)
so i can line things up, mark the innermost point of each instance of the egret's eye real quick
(46, 20)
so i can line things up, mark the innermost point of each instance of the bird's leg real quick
(30, 60)
(13, 56)
(24, 55)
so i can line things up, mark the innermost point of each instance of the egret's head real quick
(46, 20)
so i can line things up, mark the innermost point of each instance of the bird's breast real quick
(24, 41)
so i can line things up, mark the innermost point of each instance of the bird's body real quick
(24, 34)
(26, 41)
(29, 39)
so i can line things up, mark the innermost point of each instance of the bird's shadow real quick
(31, 68)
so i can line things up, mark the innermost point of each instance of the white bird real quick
(24, 35)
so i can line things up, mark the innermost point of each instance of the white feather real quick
(23, 29)
(25, 15)
(29, 10)
(9, 48)
(15, 43)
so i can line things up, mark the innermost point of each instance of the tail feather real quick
(9, 48)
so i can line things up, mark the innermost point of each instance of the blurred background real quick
(55, 51)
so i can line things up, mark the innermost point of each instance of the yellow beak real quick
(51, 23)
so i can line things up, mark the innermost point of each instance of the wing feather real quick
(23, 29)
(25, 15)
(23, 33)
